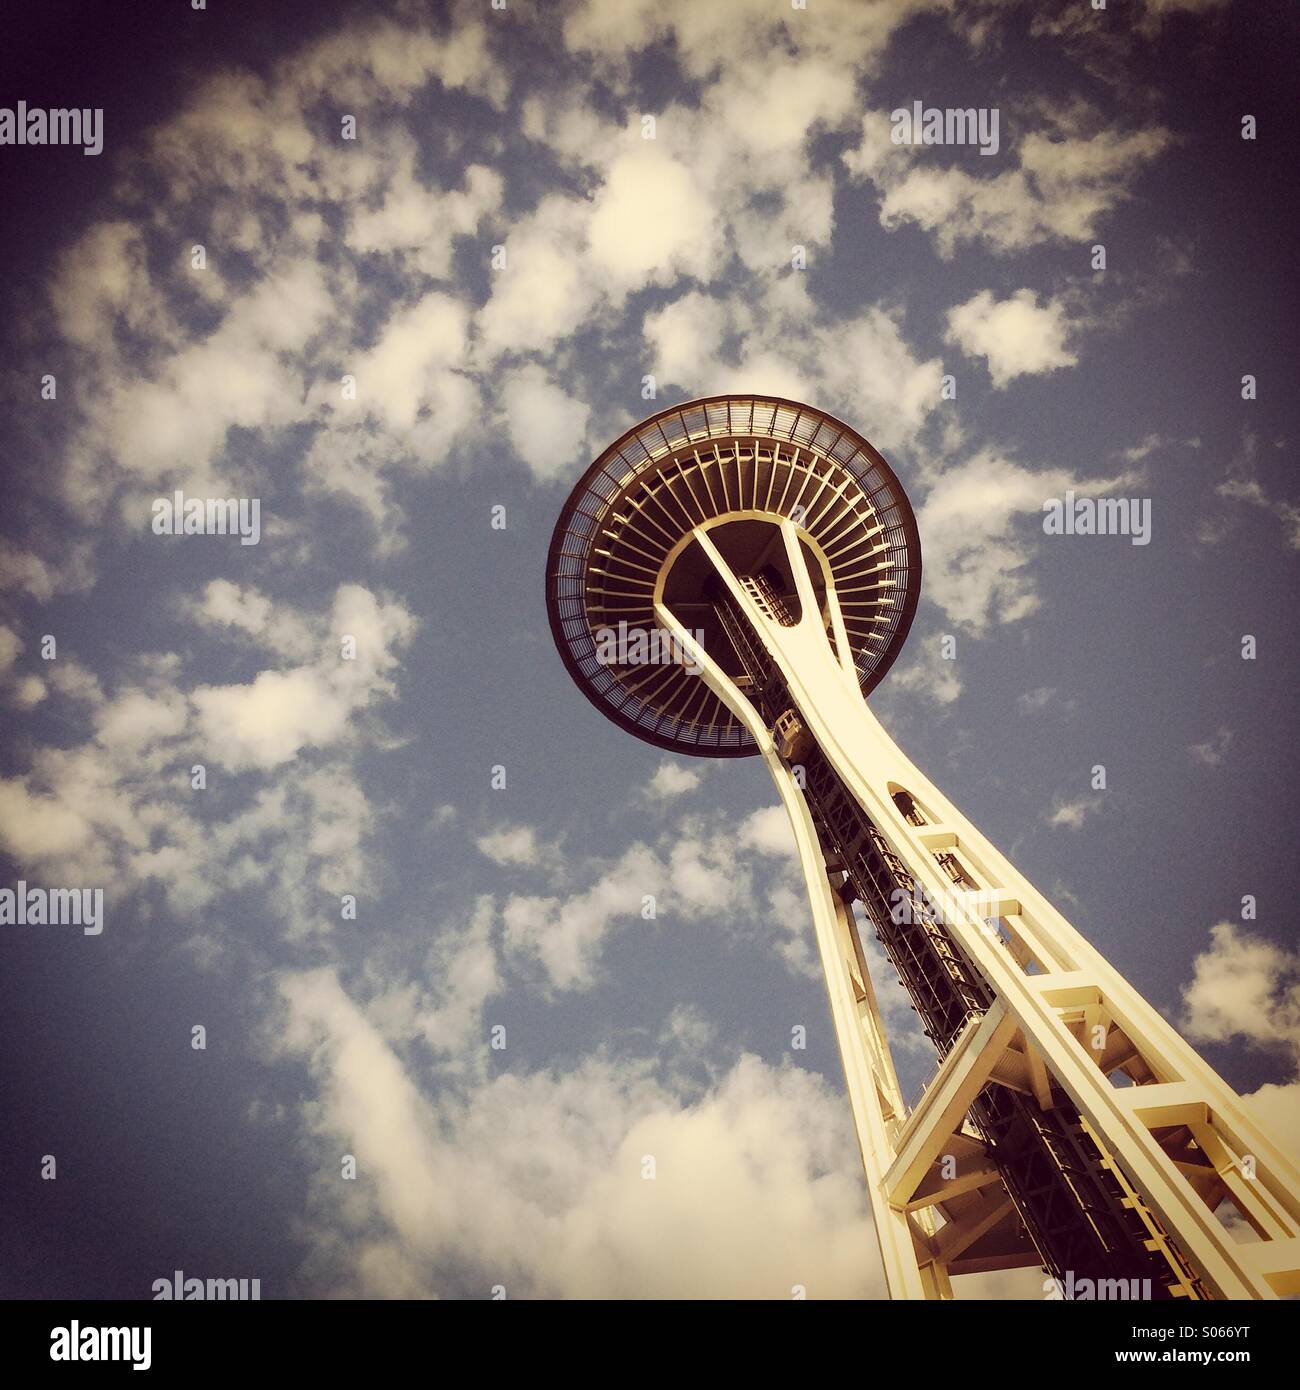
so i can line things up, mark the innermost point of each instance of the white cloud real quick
(36, 827)
(229, 603)
(1215, 748)
(724, 38)
(566, 934)
(1069, 176)
(673, 779)
(547, 426)
(651, 222)
(166, 397)
(1016, 336)
(1034, 701)
(511, 844)
(268, 721)
(1277, 1107)
(135, 716)
(860, 366)
(41, 577)
(976, 563)
(1242, 485)
(104, 275)
(289, 212)
(384, 61)
(28, 691)
(704, 867)
(686, 336)
(535, 1180)
(420, 223)
(244, 612)
(463, 973)
(117, 809)
(408, 375)
(868, 370)
(930, 674)
(11, 646)
(542, 293)
(171, 426)
(1155, 442)
(1072, 814)
(769, 832)
(1245, 986)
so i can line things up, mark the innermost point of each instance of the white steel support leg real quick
(869, 1074)
(1065, 1017)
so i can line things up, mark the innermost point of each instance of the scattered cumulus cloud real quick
(930, 675)
(1215, 748)
(537, 1180)
(973, 535)
(1015, 336)
(1034, 701)
(547, 426)
(1246, 987)
(1242, 485)
(1070, 815)
(1069, 175)
(672, 779)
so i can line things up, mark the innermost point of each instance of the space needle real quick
(1068, 1125)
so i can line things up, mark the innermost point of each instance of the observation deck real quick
(734, 466)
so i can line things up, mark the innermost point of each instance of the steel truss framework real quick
(1069, 1125)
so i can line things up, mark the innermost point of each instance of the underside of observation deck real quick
(624, 540)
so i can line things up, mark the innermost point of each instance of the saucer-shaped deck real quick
(624, 536)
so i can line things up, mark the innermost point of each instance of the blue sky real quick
(489, 379)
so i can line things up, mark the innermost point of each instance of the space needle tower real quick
(732, 578)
